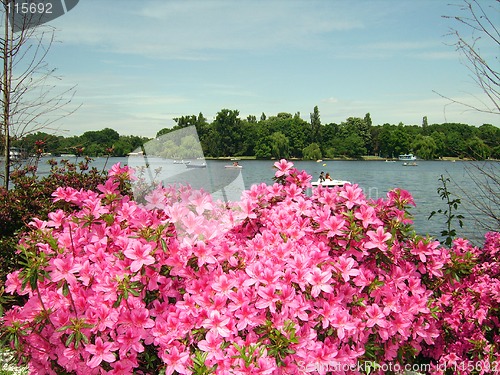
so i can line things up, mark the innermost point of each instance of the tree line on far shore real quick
(289, 136)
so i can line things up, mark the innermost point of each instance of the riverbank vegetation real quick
(289, 136)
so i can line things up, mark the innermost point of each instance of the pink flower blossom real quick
(140, 254)
(283, 167)
(345, 267)
(102, 351)
(217, 323)
(378, 239)
(319, 281)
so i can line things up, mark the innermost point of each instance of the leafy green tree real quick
(315, 126)
(401, 140)
(375, 143)
(440, 140)
(312, 152)
(489, 134)
(96, 143)
(354, 146)
(227, 127)
(297, 133)
(455, 144)
(329, 133)
(262, 148)
(293, 127)
(424, 147)
(360, 127)
(351, 146)
(368, 120)
(425, 125)
(477, 149)
(39, 141)
(248, 138)
(280, 147)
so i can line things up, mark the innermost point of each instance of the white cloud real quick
(330, 100)
(198, 30)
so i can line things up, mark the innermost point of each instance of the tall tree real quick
(315, 125)
(227, 127)
(29, 99)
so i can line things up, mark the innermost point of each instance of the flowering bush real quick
(469, 305)
(31, 196)
(278, 283)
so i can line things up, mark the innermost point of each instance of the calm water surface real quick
(376, 178)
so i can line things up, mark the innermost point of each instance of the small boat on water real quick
(204, 165)
(413, 164)
(182, 162)
(15, 154)
(407, 157)
(330, 183)
(233, 166)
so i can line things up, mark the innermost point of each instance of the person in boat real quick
(235, 164)
(322, 177)
(327, 177)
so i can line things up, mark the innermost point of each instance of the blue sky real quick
(139, 64)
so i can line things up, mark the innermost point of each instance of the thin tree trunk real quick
(6, 100)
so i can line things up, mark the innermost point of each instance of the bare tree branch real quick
(31, 99)
(484, 73)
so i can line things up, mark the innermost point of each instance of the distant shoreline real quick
(363, 158)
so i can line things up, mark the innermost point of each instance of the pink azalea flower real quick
(66, 194)
(140, 254)
(378, 239)
(334, 225)
(268, 298)
(375, 316)
(156, 199)
(215, 322)
(130, 341)
(117, 170)
(102, 351)
(110, 187)
(345, 267)
(319, 281)
(65, 269)
(353, 195)
(367, 215)
(342, 321)
(283, 167)
(56, 218)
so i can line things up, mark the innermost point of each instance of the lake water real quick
(376, 178)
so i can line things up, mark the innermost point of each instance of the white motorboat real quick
(407, 157)
(204, 165)
(330, 183)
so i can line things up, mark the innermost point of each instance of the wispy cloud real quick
(198, 30)
(330, 100)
